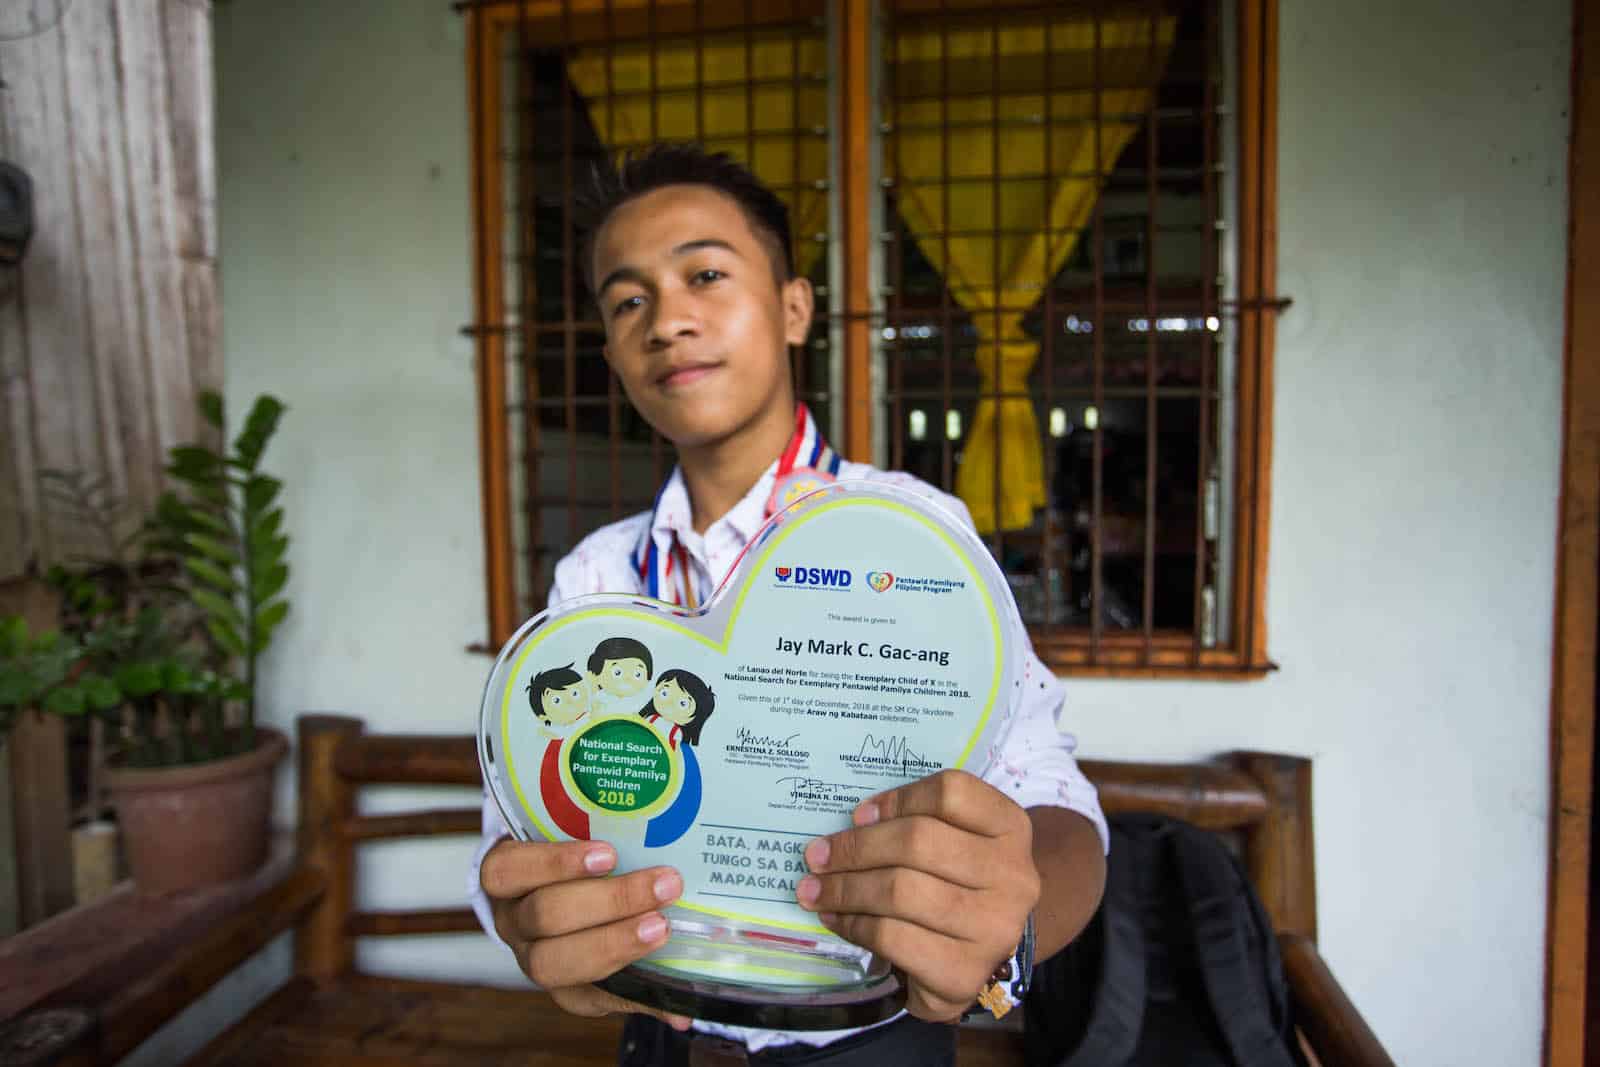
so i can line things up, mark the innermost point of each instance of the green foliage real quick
(161, 631)
(226, 530)
(32, 667)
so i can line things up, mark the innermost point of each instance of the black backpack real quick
(1178, 968)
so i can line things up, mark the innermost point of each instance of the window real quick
(1041, 238)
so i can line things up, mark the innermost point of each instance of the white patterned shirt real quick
(1035, 767)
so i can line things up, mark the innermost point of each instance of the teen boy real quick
(688, 257)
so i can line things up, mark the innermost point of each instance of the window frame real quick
(1243, 654)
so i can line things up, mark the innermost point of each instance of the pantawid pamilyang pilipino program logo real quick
(814, 577)
(880, 581)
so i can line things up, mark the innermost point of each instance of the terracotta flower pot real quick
(197, 825)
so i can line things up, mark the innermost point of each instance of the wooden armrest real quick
(137, 1010)
(1337, 1033)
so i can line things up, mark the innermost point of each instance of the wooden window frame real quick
(1576, 632)
(1243, 655)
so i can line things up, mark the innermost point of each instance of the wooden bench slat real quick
(1324, 1011)
(432, 823)
(1215, 798)
(140, 1009)
(364, 1020)
(398, 759)
(242, 1035)
(408, 923)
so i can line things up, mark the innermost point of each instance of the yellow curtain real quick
(754, 124)
(944, 182)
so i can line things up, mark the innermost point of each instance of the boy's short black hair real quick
(615, 648)
(681, 163)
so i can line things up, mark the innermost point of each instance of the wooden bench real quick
(329, 1013)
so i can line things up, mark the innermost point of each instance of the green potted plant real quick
(162, 637)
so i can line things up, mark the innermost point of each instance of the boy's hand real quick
(937, 877)
(569, 925)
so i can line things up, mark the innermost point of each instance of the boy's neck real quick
(717, 475)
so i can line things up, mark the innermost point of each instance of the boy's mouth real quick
(685, 374)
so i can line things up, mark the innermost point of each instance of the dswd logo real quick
(815, 577)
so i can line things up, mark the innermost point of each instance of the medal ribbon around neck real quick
(807, 463)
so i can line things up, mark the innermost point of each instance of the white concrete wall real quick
(1421, 235)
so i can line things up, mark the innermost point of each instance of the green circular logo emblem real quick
(620, 765)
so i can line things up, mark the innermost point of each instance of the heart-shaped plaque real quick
(865, 639)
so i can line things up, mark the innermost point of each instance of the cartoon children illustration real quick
(618, 668)
(679, 707)
(560, 698)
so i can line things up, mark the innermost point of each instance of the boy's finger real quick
(918, 898)
(919, 842)
(568, 907)
(956, 797)
(590, 955)
(514, 868)
(931, 960)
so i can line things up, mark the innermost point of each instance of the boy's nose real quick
(674, 319)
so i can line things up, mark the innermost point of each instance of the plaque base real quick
(767, 1008)
(742, 975)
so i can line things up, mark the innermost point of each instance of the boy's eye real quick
(616, 672)
(555, 698)
(710, 274)
(625, 305)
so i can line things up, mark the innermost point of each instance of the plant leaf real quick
(18, 686)
(138, 679)
(192, 463)
(211, 407)
(217, 550)
(218, 607)
(268, 555)
(259, 427)
(259, 493)
(177, 677)
(101, 692)
(266, 526)
(268, 620)
(225, 636)
(215, 495)
(213, 575)
(67, 700)
(13, 635)
(217, 524)
(270, 583)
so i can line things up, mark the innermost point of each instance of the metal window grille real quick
(583, 83)
(1053, 177)
(1086, 182)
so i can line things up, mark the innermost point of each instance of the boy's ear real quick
(798, 304)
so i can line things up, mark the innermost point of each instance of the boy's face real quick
(673, 704)
(563, 707)
(697, 327)
(623, 677)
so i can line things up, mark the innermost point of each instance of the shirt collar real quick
(671, 517)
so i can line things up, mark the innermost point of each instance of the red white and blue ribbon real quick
(808, 462)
